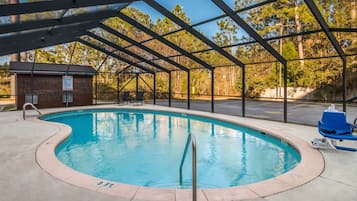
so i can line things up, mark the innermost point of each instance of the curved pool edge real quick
(310, 166)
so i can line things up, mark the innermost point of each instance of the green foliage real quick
(4, 80)
(227, 34)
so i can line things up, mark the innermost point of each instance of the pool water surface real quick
(144, 148)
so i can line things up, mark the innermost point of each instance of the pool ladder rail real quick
(33, 107)
(190, 138)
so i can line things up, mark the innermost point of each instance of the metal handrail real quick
(191, 138)
(24, 109)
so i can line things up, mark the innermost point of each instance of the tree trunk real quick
(233, 80)
(353, 11)
(299, 38)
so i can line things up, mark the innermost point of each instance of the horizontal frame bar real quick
(43, 6)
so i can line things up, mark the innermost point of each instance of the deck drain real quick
(105, 184)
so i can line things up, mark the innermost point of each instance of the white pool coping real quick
(310, 167)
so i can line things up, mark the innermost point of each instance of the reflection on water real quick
(145, 148)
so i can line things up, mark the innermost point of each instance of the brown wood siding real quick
(49, 90)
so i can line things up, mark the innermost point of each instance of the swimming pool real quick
(145, 147)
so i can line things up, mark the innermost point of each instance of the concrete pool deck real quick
(21, 178)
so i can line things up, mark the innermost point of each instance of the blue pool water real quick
(145, 148)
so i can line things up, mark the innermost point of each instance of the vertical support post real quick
(212, 90)
(344, 84)
(118, 98)
(243, 91)
(154, 88)
(285, 93)
(136, 83)
(33, 68)
(188, 89)
(96, 89)
(170, 89)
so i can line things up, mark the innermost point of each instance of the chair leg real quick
(326, 143)
(323, 143)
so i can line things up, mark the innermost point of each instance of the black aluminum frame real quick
(198, 35)
(69, 29)
(37, 24)
(171, 45)
(163, 40)
(320, 19)
(43, 38)
(141, 46)
(43, 6)
(107, 52)
(214, 18)
(130, 53)
(227, 10)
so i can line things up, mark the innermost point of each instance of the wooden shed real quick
(52, 85)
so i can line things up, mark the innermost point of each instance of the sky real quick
(196, 10)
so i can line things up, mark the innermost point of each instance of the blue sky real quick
(196, 10)
(4, 59)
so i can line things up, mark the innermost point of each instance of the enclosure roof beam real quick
(320, 19)
(36, 24)
(135, 43)
(163, 40)
(213, 19)
(128, 52)
(114, 55)
(43, 6)
(225, 8)
(194, 32)
(43, 38)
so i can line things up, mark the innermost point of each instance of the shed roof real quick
(52, 69)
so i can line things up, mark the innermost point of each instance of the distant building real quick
(52, 85)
